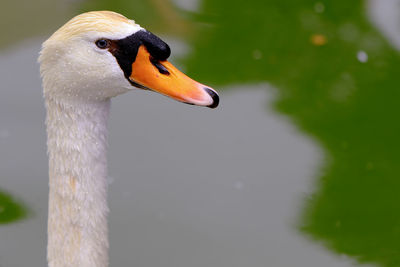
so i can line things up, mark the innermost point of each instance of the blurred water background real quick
(299, 166)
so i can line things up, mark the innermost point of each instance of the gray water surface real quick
(384, 14)
(189, 186)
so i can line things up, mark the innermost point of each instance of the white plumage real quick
(79, 78)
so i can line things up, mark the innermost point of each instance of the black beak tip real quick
(214, 96)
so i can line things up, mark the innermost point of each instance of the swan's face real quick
(98, 55)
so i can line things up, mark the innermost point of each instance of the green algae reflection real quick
(309, 50)
(10, 210)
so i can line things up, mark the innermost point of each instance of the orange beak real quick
(164, 78)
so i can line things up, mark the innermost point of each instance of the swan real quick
(93, 57)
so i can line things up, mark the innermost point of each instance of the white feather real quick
(78, 81)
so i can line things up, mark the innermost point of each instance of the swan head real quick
(98, 55)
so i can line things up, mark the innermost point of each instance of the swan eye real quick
(103, 43)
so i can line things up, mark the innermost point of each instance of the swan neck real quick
(77, 223)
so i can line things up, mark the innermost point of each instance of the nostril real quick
(160, 67)
(214, 96)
